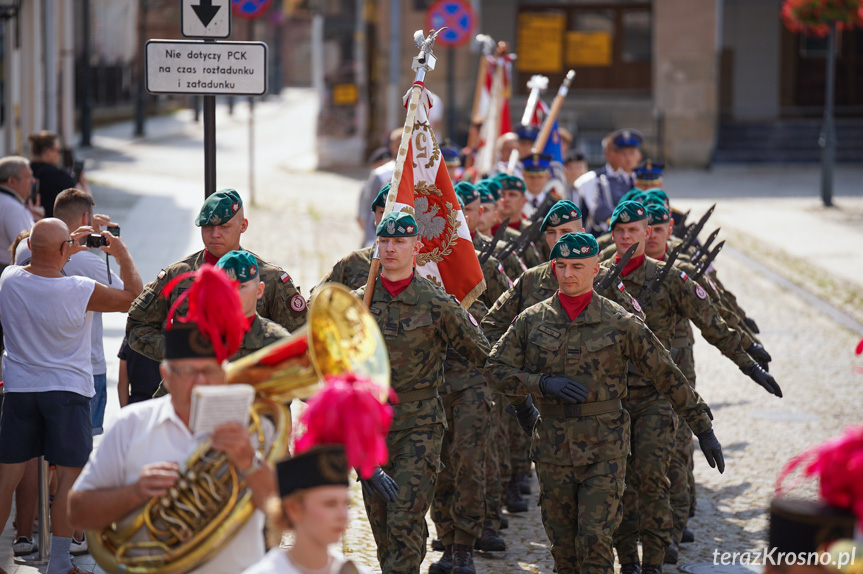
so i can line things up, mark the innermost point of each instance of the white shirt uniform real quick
(598, 192)
(277, 561)
(149, 432)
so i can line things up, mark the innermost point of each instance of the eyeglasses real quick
(70, 241)
(190, 373)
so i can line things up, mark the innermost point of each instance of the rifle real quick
(498, 235)
(679, 229)
(705, 265)
(703, 249)
(519, 244)
(691, 234)
(613, 273)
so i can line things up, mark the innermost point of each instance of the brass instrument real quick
(210, 502)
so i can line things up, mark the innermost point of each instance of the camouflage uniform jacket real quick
(531, 255)
(594, 350)
(262, 333)
(496, 283)
(512, 265)
(418, 325)
(458, 372)
(678, 298)
(281, 303)
(352, 270)
(533, 286)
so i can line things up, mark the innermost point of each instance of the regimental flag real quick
(552, 145)
(493, 110)
(447, 257)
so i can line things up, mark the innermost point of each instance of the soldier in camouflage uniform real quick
(531, 287)
(512, 201)
(221, 221)
(352, 270)
(571, 353)
(419, 322)
(646, 508)
(489, 191)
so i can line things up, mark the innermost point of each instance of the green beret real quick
(398, 224)
(657, 214)
(561, 212)
(627, 212)
(489, 190)
(240, 265)
(633, 194)
(381, 198)
(654, 194)
(219, 208)
(460, 201)
(575, 246)
(466, 192)
(507, 181)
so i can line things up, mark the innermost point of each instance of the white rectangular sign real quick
(205, 18)
(206, 68)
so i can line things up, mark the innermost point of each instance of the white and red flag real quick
(423, 187)
(494, 109)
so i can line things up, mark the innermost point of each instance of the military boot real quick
(437, 545)
(490, 541)
(523, 479)
(651, 569)
(630, 568)
(444, 565)
(514, 501)
(688, 535)
(504, 521)
(463, 559)
(671, 554)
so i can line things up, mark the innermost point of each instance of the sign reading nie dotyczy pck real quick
(206, 68)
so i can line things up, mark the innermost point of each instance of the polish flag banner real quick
(505, 123)
(447, 257)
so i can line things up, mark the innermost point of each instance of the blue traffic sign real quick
(250, 9)
(458, 17)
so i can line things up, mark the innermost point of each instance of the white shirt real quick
(147, 432)
(46, 332)
(14, 218)
(277, 561)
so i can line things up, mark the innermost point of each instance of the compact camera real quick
(95, 240)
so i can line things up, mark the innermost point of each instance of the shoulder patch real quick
(621, 287)
(285, 278)
(161, 274)
(683, 275)
(635, 305)
(712, 284)
(472, 319)
(297, 302)
(700, 292)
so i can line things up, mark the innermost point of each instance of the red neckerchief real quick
(574, 306)
(210, 258)
(633, 264)
(251, 319)
(394, 288)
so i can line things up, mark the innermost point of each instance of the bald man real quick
(48, 376)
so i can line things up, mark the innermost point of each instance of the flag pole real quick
(423, 63)
(545, 131)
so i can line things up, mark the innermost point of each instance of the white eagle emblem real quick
(564, 250)
(554, 219)
(391, 227)
(624, 216)
(431, 225)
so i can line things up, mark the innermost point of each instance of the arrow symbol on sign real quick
(206, 11)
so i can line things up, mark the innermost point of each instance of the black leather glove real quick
(526, 414)
(382, 483)
(763, 378)
(563, 388)
(760, 354)
(712, 450)
(753, 326)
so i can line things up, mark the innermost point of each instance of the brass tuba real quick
(210, 503)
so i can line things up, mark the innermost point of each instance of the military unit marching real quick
(536, 317)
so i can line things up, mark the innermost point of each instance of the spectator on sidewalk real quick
(46, 153)
(17, 209)
(138, 377)
(48, 377)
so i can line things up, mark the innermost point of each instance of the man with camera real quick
(17, 210)
(48, 376)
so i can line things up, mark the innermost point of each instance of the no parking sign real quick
(458, 17)
(250, 9)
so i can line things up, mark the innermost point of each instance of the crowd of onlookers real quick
(56, 280)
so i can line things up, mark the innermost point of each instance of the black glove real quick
(563, 388)
(712, 450)
(753, 326)
(760, 354)
(526, 414)
(763, 378)
(382, 483)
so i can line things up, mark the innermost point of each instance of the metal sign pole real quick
(251, 131)
(41, 556)
(209, 142)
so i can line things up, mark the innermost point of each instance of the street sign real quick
(459, 18)
(250, 9)
(207, 68)
(205, 18)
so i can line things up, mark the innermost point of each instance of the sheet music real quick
(215, 405)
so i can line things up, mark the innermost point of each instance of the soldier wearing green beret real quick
(571, 353)
(419, 322)
(647, 514)
(531, 287)
(352, 270)
(222, 222)
(481, 228)
(511, 205)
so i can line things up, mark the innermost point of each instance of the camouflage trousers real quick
(399, 527)
(496, 462)
(680, 471)
(519, 448)
(459, 512)
(580, 508)
(646, 505)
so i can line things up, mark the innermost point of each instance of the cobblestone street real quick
(304, 220)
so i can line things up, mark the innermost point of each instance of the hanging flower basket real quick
(813, 17)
